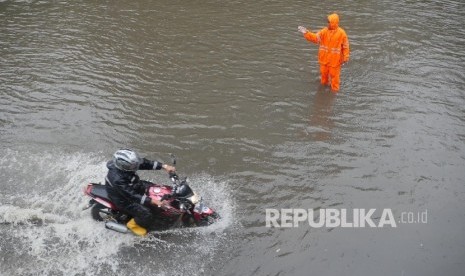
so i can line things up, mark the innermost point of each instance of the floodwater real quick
(233, 90)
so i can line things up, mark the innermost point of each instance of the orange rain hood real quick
(333, 21)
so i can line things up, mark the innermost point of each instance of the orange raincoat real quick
(334, 50)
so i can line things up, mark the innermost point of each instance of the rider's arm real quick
(150, 165)
(155, 165)
(123, 187)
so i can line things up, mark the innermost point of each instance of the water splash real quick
(47, 233)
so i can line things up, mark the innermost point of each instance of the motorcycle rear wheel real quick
(100, 212)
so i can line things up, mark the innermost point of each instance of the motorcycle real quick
(185, 208)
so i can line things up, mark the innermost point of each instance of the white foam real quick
(10, 214)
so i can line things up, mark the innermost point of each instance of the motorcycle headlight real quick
(195, 198)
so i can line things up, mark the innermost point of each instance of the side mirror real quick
(173, 158)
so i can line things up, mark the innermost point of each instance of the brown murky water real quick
(233, 90)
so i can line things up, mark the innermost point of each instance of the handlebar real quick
(174, 178)
(177, 182)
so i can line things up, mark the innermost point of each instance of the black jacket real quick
(125, 187)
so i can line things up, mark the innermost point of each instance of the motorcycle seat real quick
(100, 191)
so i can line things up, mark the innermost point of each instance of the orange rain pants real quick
(330, 72)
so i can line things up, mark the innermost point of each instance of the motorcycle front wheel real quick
(209, 219)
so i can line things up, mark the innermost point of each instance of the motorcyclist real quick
(127, 191)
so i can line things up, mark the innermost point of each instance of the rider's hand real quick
(155, 202)
(164, 204)
(302, 29)
(160, 203)
(168, 168)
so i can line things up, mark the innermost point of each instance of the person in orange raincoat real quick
(334, 50)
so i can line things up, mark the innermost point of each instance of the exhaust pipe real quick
(118, 227)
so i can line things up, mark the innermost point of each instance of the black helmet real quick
(126, 160)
